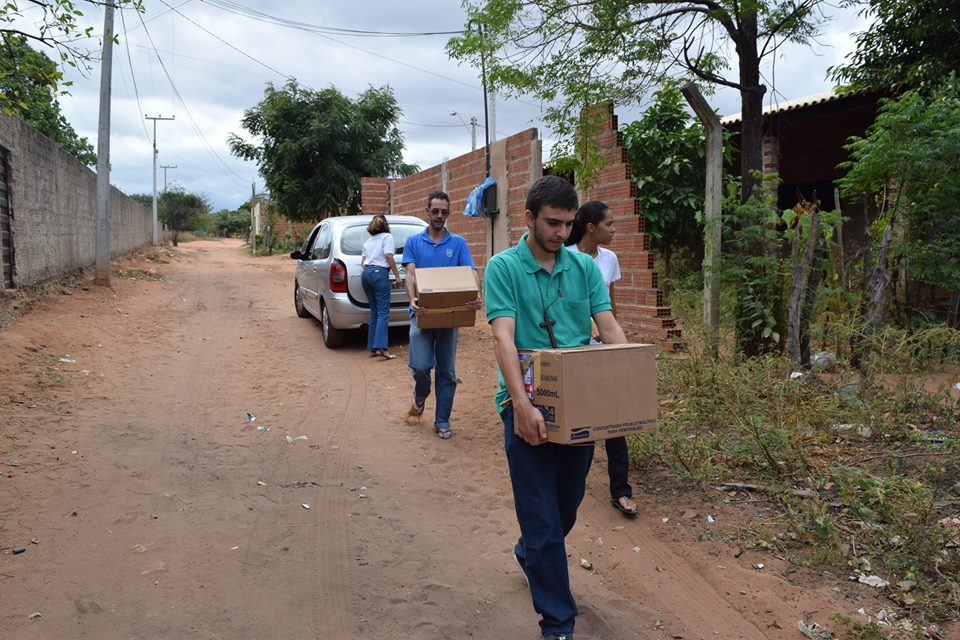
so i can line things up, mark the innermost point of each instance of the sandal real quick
(623, 508)
(383, 354)
(416, 409)
(444, 434)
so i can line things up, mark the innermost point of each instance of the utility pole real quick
(102, 272)
(156, 224)
(253, 217)
(165, 167)
(473, 128)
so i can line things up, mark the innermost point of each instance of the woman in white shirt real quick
(377, 257)
(592, 228)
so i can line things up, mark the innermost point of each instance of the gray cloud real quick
(217, 82)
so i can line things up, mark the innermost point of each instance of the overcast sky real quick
(218, 62)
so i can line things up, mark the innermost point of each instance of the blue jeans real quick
(548, 481)
(376, 284)
(429, 349)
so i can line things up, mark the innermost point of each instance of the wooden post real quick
(841, 262)
(712, 206)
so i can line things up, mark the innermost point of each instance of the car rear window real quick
(352, 239)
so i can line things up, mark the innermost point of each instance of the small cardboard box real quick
(593, 392)
(443, 293)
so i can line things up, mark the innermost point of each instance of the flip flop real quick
(444, 434)
(385, 356)
(622, 509)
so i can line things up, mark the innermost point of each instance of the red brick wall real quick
(375, 195)
(408, 196)
(295, 229)
(640, 308)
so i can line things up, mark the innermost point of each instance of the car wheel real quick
(298, 302)
(332, 337)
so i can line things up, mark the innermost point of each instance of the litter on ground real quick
(873, 581)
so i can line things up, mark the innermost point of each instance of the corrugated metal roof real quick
(790, 105)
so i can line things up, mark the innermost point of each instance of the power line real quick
(159, 14)
(136, 92)
(193, 122)
(173, 54)
(239, 9)
(238, 50)
(220, 4)
(232, 7)
(420, 124)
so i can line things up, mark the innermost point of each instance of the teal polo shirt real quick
(516, 286)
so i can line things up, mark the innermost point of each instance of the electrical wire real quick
(237, 49)
(250, 13)
(136, 92)
(159, 14)
(420, 124)
(171, 54)
(239, 9)
(196, 128)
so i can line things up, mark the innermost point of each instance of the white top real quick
(375, 249)
(608, 263)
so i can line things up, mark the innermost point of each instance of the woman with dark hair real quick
(593, 227)
(377, 257)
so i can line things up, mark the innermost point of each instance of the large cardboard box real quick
(443, 293)
(593, 392)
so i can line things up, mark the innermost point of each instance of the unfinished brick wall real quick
(376, 193)
(298, 231)
(458, 177)
(640, 308)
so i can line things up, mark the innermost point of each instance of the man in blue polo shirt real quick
(436, 246)
(541, 295)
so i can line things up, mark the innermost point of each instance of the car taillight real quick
(338, 277)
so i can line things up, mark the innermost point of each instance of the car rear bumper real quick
(344, 314)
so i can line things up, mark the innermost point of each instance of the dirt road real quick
(157, 511)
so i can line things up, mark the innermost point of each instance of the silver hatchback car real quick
(326, 284)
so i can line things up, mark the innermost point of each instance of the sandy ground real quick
(149, 508)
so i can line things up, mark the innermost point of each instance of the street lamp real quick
(473, 129)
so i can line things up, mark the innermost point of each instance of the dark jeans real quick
(376, 284)
(548, 485)
(618, 465)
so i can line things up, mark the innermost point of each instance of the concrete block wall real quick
(517, 162)
(53, 198)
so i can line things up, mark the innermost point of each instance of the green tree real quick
(909, 44)
(316, 145)
(54, 24)
(573, 55)
(181, 211)
(27, 89)
(668, 159)
(907, 164)
(231, 223)
(145, 199)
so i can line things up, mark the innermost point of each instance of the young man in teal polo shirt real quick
(436, 246)
(538, 294)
